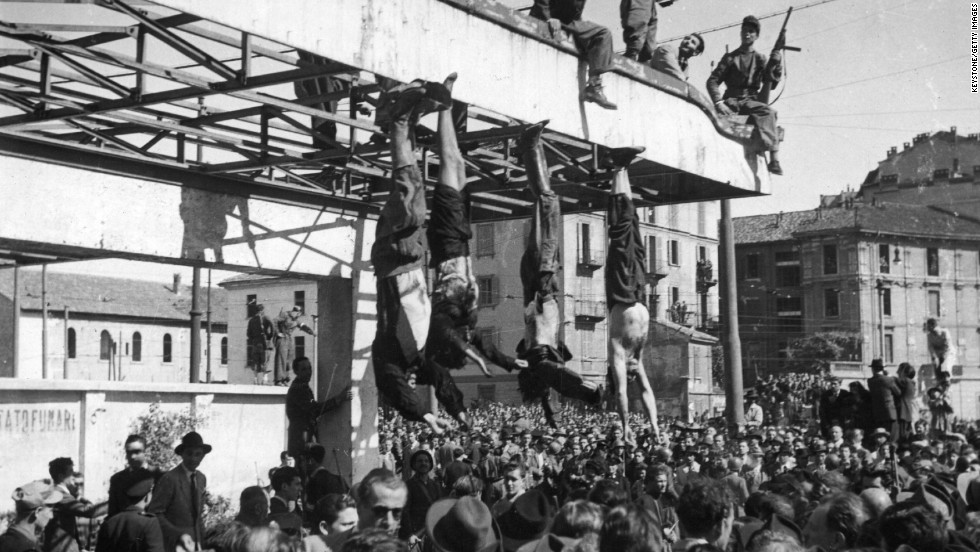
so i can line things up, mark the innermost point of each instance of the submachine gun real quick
(767, 81)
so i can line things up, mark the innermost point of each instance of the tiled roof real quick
(888, 218)
(102, 295)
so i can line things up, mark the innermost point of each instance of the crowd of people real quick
(508, 482)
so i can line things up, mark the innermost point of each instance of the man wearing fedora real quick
(462, 525)
(178, 499)
(884, 392)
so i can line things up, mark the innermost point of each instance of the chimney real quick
(905, 146)
(892, 151)
(176, 289)
(952, 130)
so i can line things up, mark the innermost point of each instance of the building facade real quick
(681, 243)
(103, 328)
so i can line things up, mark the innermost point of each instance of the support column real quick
(734, 391)
(15, 324)
(44, 321)
(195, 367)
(346, 323)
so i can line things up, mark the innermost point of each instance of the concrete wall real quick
(88, 366)
(89, 421)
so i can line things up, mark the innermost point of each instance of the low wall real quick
(89, 421)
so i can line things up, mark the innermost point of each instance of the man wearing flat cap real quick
(32, 503)
(743, 72)
(178, 499)
(132, 529)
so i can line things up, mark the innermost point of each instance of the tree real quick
(814, 353)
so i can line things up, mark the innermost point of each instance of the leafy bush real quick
(163, 430)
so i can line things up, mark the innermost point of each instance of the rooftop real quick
(880, 217)
(107, 296)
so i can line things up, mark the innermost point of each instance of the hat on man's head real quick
(192, 440)
(752, 21)
(877, 365)
(527, 519)
(297, 308)
(881, 432)
(463, 525)
(751, 394)
(140, 488)
(33, 495)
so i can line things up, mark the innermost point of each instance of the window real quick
(72, 351)
(702, 253)
(932, 261)
(300, 341)
(299, 300)
(831, 303)
(105, 346)
(884, 262)
(224, 350)
(651, 254)
(888, 349)
(488, 290)
(652, 215)
(886, 302)
(675, 295)
(753, 266)
(484, 240)
(137, 347)
(251, 302)
(830, 259)
(486, 392)
(168, 348)
(586, 255)
(674, 250)
(489, 336)
(934, 310)
(789, 306)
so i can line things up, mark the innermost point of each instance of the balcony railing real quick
(589, 311)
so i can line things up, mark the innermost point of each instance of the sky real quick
(872, 75)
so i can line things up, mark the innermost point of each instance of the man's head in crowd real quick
(576, 519)
(192, 451)
(914, 524)
(32, 504)
(743, 447)
(836, 522)
(514, 484)
(303, 369)
(836, 433)
(608, 493)
(286, 459)
(422, 462)
(62, 471)
(334, 513)
(381, 498)
(253, 507)
(628, 528)
(135, 451)
(705, 512)
(287, 483)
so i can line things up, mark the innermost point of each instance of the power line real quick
(853, 127)
(738, 24)
(910, 111)
(872, 14)
(834, 87)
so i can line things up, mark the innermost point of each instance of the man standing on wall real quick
(302, 409)
(259, 334)
(286, 323)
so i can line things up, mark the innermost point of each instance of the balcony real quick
(656, 271)
(705, 277)
(590, 259)
(588, 312)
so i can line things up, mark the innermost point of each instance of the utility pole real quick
(44, 321)
(195, 367)
(16, 322)
(64, 373)
(734, 391)
(208, 344)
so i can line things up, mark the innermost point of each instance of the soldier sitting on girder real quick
(629, 319)
(544, 353)
(591, 39)
(397, 255)
(452, 330)
(743, 72)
